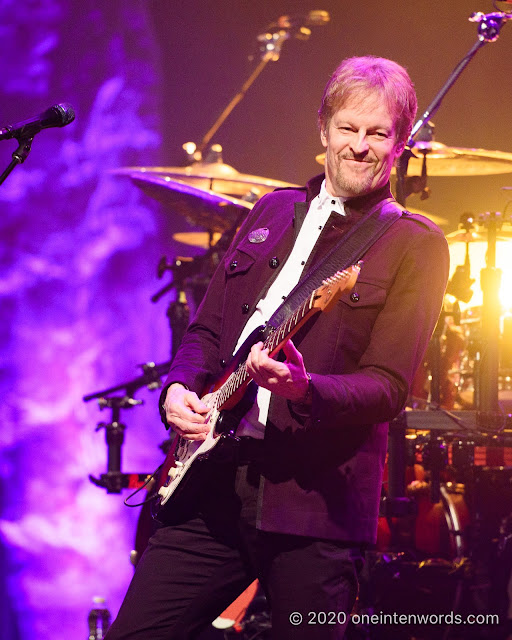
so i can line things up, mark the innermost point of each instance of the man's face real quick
(360, 147)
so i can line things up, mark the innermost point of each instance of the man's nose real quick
(359, 143)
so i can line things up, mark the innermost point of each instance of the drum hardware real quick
(191, 277)
(436, 382)
(150, 378)
(178, 313)
(485, 242)
(489, 415)
(114, 480)
(401, 585)
(506, 348)
(488, 31)
(435, 459)
(461, 282)
(396, 504)
(470, 245)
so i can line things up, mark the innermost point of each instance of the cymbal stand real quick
(184, 271)
(178, 313)
(461, 282)
(489, 26)
(489, 416)
(115, 480)
(151, 378)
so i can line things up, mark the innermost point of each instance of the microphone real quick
(57, 116)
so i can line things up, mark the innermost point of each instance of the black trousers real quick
(191, 571)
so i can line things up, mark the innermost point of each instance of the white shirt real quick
(254, 421)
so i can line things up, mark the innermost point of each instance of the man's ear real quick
(399, 149)
(323, 136)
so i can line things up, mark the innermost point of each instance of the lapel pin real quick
(258, 235)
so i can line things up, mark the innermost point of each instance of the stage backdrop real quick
(80, 245)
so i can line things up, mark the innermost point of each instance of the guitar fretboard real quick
(273, 343)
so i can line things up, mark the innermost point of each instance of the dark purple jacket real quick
(322, 474)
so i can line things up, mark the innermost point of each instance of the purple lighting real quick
(78, 256)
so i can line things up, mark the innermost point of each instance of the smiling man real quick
(296, 502)
(363, 121)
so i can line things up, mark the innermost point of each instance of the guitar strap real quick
(350, 249)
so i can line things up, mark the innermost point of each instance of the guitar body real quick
(228, 401)
(182, 495)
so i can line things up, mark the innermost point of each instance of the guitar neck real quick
(229, 394)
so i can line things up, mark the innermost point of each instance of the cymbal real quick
(213, 176)
(454, 161)
(200, 207)
(201, 239)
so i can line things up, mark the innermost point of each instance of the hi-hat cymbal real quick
(200, 207)
(213, 176)
(454, 161)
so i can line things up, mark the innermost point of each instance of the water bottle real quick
(98, 619)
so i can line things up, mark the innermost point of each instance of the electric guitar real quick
(185, 455)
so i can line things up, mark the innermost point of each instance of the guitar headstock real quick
(332, 288)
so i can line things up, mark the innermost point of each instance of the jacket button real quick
(233, 264)
(245, 308)
(222, 363)
(273, 262)
(354, 296)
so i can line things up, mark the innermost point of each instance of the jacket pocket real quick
(365, 294)
(239, 261)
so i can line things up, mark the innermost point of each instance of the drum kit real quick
(445, 529)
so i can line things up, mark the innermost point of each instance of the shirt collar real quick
(334, 203)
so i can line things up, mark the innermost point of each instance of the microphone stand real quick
(489, 26)
(18, 157)
(272, 41)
